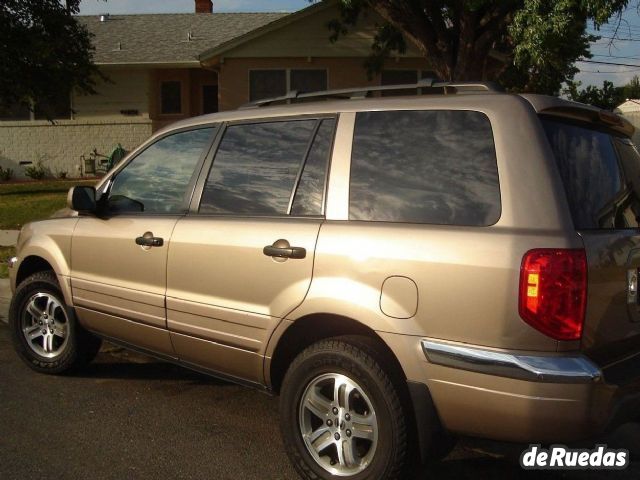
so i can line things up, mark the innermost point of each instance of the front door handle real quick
(149, 241)
(282, 249)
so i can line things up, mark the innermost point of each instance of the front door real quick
(119, 258)
(243, 258)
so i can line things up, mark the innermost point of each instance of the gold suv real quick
(400, 270)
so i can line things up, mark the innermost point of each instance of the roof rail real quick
(363, 92)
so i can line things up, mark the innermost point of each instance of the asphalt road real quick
(129, 417)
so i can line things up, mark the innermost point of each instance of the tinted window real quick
(156, 180)
(435, 167)
(255, 168)
(589, 169)
(310, 192)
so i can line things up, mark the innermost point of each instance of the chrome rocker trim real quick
(537, 368)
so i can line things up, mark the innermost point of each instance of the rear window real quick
(588, 164)
(436, 167)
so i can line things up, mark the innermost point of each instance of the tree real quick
(44, 53)
(608, 97)
(528, 45)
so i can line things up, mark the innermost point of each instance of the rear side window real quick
(435, 167)
(590, 171)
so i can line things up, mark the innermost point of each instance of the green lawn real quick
(24, 202)
(5, 254)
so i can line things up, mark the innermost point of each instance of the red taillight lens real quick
(553, 291)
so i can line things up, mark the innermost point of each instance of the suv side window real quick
(590, 171)
(435, 167)
(156, 180)
(258, 166)
(309, 196)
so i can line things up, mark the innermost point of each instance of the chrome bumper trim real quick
(537, 368)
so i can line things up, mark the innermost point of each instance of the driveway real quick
(128, 416)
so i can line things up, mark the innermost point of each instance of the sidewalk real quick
(5, 298)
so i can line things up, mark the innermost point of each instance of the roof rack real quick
(364, 92)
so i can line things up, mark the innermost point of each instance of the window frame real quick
(287, 77)
(190, 190)
(210, 160)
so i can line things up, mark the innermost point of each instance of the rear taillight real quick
(553, 291)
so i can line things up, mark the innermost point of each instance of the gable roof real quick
(277, 24)
(164, 38)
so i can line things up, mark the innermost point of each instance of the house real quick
(631, 111)
(165, 67)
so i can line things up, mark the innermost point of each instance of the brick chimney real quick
(204, 6)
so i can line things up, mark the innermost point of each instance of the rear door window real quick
(432, 166)
(591, 173)
(270, 169)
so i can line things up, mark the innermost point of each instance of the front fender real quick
(48, 240)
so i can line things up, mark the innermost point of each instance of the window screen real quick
(436, 167)
(267, 84)
(255, 168)
(305, 81)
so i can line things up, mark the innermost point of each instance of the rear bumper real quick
(506, 396)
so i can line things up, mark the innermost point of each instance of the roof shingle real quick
(167, 38)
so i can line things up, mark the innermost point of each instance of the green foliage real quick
(6, 174)
(44, 51)
(36, 172)
(608, 97)
(527, 45)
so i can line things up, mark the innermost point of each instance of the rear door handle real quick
(282, 249)
(146, 241)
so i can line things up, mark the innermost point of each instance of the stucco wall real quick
(634, 118)
(60, 146)
(233, 75)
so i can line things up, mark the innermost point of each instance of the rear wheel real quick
(342, 416)
(44, 329)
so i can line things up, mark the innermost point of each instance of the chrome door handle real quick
(282, 249)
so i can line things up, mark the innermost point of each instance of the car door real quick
(243, 258)
(119, 257)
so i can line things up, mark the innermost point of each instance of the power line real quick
(609, 63)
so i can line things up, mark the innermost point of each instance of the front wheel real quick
(342, 416)
(44, 330)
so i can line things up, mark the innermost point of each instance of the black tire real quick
(72, 351)
(344, 356)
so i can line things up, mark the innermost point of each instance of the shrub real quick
(6, 174)
(36, 172)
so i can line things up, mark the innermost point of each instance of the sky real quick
(625, 48)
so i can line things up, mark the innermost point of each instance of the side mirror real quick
(82, 199)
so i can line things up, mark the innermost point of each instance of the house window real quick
(276, 83)
(401, 77)
(305, 81)
(267, 84)
(209, 99)
(171, 97)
